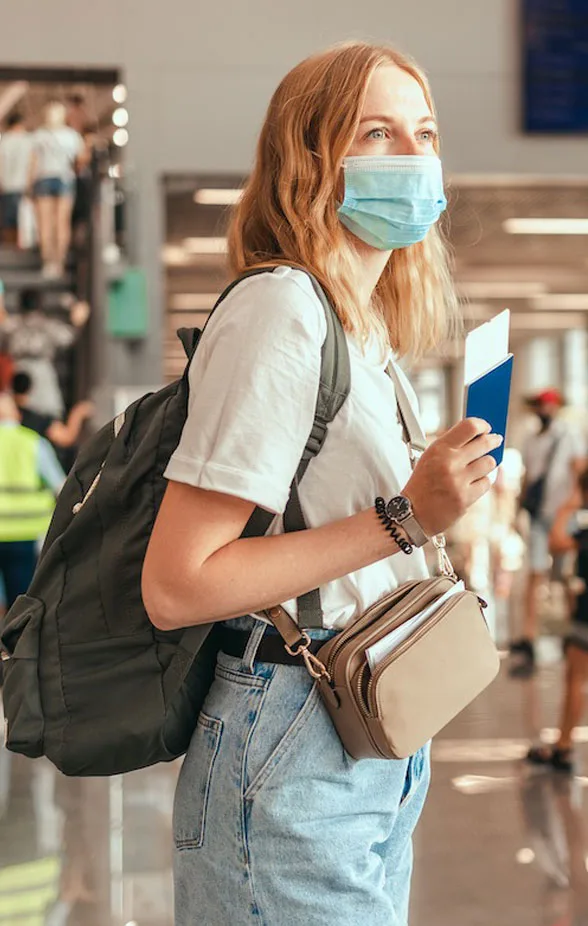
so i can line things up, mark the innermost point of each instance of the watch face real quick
(398, 508)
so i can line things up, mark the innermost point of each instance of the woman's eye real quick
(377, 134)
(428, 135)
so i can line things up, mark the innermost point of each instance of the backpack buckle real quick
(316, 439)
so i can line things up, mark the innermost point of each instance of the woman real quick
(274, 823)
(569, 534)
(57, 150)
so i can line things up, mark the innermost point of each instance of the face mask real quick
(392, 201)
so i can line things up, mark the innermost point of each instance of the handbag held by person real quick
(403, 670)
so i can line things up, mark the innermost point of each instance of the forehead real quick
(392, 91)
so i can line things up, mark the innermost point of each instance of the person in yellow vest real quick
(30, 479)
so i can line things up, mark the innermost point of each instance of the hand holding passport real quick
(487, 375)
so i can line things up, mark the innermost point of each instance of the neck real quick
(20, 401)
(372, 263)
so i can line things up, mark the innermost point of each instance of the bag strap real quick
(416, 442)
(551, 455)
(334, 386)
(414, 435)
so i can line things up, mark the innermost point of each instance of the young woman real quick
(570, 534)
(274, 823)
(57, 152)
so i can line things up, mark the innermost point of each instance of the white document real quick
(486, 346)
(376, 653)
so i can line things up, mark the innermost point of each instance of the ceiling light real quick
(205, 245)
(530, 321)
(215, 197)
(120, 116)
(490, 289)
(119, 93)
(192, 301)
(174, 255)
(546, 226)
(525, 856)
(114, 171)
(573, 301)
(120, 138)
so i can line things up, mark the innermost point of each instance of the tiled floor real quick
(497, 844)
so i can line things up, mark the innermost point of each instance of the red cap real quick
(549, 397)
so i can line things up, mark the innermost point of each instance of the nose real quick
(406, 144)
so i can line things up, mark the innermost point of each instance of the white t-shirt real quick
(15, 156)
(57, 150)
(540, 456)
(253, 391)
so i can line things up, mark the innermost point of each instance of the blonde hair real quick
(54, 113)
(288, 211)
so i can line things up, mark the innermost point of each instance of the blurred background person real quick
(552, 458)
(570, 534)
(33, 339)
(57, 149)
(15, 155)
(76, 112)
(6, 361)
(30, 480)
(63, 434)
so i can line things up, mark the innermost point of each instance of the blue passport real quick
(487, 397)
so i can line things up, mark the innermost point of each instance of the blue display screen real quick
(555, 66)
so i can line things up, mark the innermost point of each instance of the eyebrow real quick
(391, 120)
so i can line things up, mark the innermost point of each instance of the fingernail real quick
(500, 439)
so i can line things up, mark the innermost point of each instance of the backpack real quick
(89, 682)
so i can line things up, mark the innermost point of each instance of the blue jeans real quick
(9, 203)
(54, 187)
(275, 824)
(18, 559)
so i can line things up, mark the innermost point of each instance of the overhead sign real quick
(555, 66)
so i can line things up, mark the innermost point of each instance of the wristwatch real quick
(399, 510)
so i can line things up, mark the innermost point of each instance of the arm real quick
(50, 469)
(33, 170)
(559, 537)
(197, 569)
(66, 434)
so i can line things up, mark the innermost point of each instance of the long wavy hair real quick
(288, 211)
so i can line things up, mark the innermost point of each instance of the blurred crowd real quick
(45, 200)
(45, 181)
(37, 440)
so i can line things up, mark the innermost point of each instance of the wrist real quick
(393, 527)
(400, 511)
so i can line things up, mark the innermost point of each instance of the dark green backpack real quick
(88, 681)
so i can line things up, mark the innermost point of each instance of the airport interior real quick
(159, 107)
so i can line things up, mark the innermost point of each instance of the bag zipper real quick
(117, 425)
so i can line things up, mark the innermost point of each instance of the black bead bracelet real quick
(391, 526)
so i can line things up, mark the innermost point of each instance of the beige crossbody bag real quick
(388, 696)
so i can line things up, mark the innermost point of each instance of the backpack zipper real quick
(117, 426)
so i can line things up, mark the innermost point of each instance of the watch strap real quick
(414, 531)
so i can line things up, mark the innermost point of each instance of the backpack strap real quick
(334, 386)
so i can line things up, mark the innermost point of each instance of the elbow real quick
(160, 609)
(167, 608)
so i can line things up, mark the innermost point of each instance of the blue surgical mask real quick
(392, 201)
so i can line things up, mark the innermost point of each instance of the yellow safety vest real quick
(26, 506)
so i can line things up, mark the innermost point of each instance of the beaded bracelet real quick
(391, 526)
